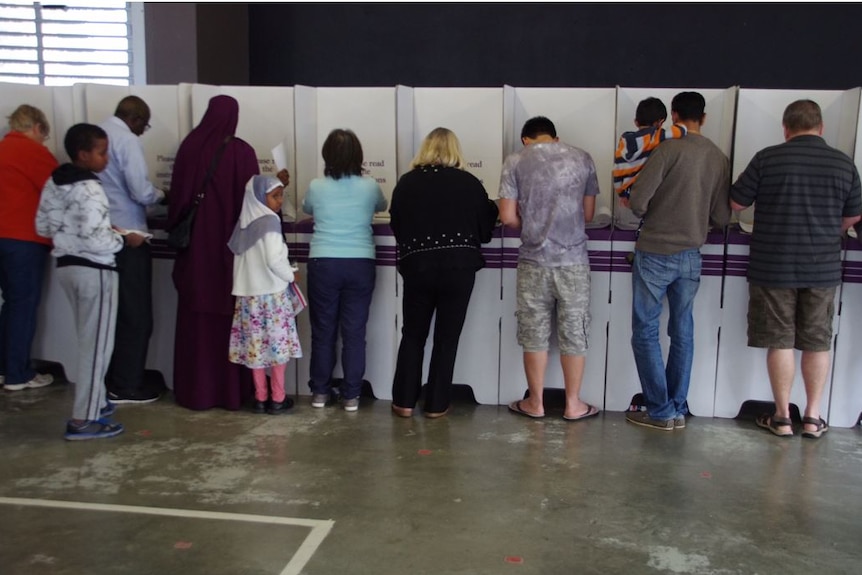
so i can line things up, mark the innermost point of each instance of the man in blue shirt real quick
(129, 192)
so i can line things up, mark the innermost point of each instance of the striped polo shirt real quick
(802, 189)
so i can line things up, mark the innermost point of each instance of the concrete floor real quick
(481, 491)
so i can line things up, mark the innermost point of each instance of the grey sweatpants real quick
(93, 295)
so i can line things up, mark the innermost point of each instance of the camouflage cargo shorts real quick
(546, 293)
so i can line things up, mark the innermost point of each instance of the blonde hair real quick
(26, 117)
(440, 148)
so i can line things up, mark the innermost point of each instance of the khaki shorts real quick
(545, 293)
(787, 318)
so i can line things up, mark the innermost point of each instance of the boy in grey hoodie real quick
(73, 212)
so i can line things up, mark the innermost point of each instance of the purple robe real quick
(203, 273)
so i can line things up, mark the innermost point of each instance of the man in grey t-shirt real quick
(548, 190)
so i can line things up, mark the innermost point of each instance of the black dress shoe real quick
(279, 407)
(258, 406)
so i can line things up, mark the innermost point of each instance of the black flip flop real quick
(591, 411)
(515, 407)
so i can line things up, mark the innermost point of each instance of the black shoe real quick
(133, 397)
(258, 406)
(279, 407)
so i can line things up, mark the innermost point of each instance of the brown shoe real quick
(402, 411)
(433, 415)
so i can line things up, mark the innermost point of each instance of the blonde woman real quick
(25, 166)
(441, 215)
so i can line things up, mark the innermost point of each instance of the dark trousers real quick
(448, 293)
(339, 296)
(134, 321)
(22, 267)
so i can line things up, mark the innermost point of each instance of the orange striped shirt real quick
(633, 151)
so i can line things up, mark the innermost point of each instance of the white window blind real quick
(68, 42)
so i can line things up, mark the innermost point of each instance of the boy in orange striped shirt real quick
(634, 147)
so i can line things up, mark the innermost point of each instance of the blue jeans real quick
(665, 388)
(339, 296)
(22, 267)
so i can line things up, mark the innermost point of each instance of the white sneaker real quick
(39, 380)
(319, 399)
(351, 404)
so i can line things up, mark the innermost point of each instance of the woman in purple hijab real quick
(203, 272)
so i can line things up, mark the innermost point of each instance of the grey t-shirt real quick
(549, 182)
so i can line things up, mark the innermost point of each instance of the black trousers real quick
(134, 321)
(446, 292)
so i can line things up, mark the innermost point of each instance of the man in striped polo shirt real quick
(807, 195)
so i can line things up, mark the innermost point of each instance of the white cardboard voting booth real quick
(622, 377)
(475, 115)
(584, 118)
(391, 123)
(371, 114)
(741, 371)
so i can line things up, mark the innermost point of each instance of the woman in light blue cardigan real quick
(341, 266)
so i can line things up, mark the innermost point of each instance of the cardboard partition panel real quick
(720, 108)
(845, 399)
(476, 117)
(161, 141)
(513, 382)
(741, 373)
(370, 114)
(758, 124)
(584, 118)
(622, 375)
(266, 120)
(42, 97)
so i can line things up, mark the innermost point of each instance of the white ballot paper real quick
(279, 156)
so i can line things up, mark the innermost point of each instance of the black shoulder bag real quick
(180, 235)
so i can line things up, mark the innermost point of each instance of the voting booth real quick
(622, 376)
(370, 113)
(584, 118)
(287, 126)
(475, 115)
(741, 371)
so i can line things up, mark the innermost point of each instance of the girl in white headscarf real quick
(264, 326)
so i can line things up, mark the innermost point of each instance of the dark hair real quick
(802, 116)
(535, 127)
(650, 111)
(342, 154)
(132, 108)
(82, 138)
(689, 106)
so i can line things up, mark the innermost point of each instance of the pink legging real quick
(276, 381)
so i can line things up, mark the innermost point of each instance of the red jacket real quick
(25, 166)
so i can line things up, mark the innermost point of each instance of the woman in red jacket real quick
(25, 166)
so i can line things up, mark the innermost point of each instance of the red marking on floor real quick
(515, 560)
(706, 475)
(144, 433)
(183, 545)
(424, 452)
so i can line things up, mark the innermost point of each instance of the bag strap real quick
(211, 170)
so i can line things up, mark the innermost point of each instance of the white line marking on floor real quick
(320, 528)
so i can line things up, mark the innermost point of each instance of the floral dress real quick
(263, 333)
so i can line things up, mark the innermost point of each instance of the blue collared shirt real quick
(126, 180)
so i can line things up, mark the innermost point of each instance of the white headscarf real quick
(256, 218)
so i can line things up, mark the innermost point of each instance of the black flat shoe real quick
(258, 406)
(279, 407)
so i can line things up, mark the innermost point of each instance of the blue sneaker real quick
(109, 409)
(92, 430)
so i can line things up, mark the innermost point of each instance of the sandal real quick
(780, 426)
(822, 427)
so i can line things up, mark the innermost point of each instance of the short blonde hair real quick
(440, 148)
(25, 117)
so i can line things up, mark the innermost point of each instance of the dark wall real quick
(812, 46)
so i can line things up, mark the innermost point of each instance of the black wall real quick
(813, 46)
